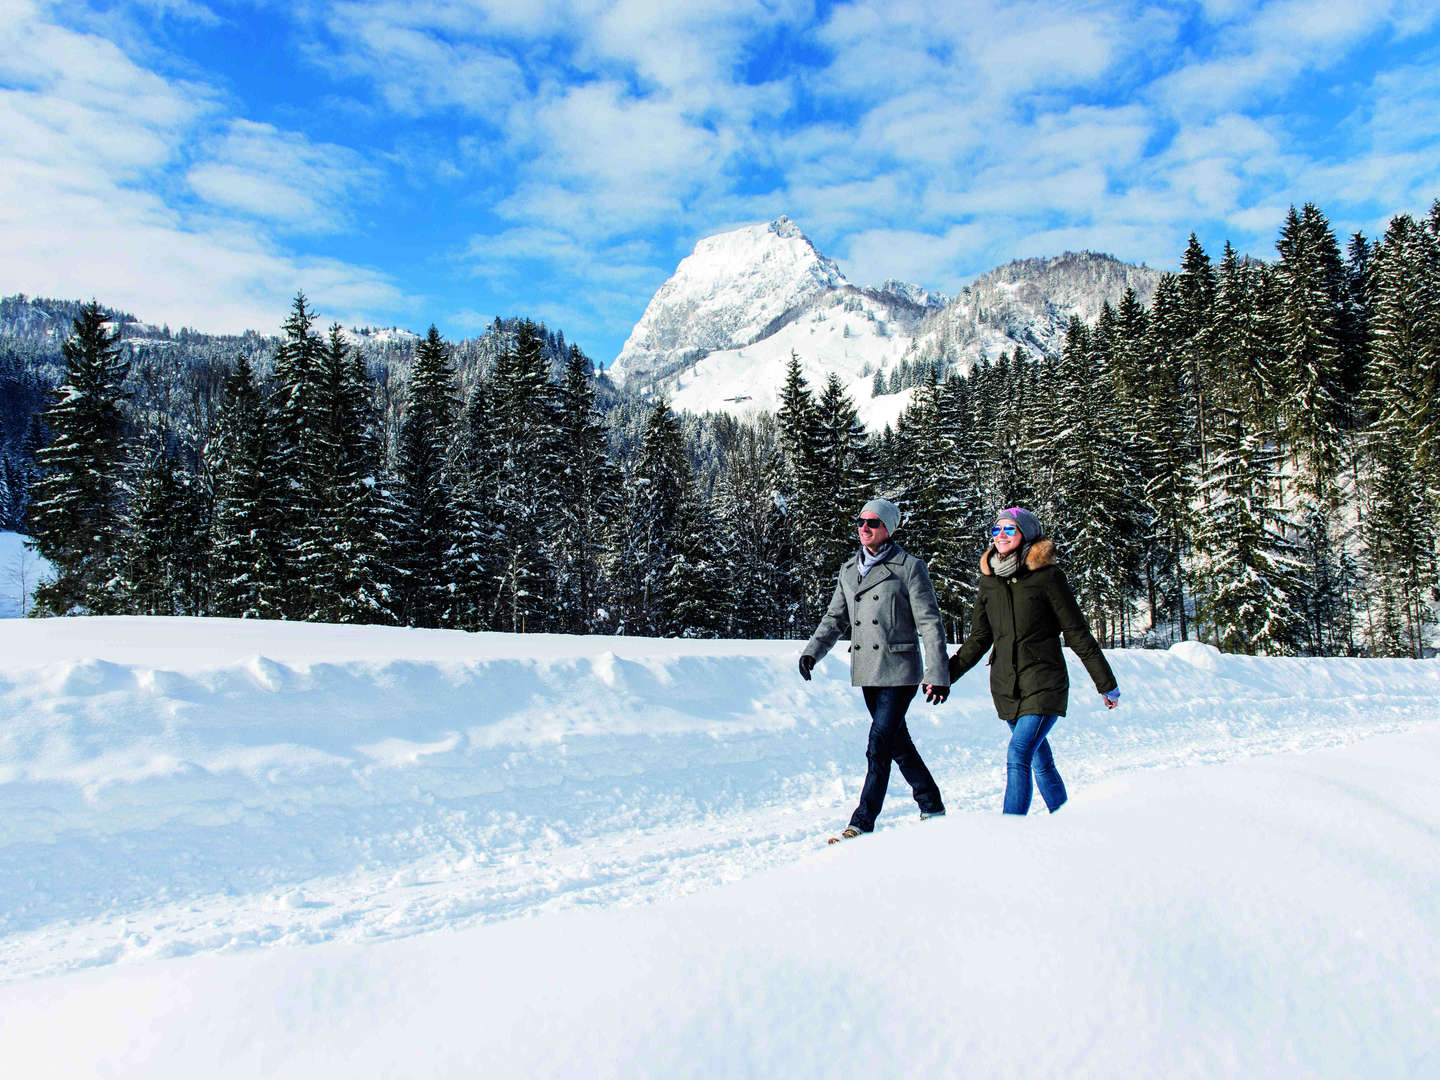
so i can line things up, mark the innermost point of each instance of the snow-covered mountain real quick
(718, 333)
(371, 335)
(1030, 302)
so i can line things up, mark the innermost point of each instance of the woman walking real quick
(897, 643)
(1023, 606)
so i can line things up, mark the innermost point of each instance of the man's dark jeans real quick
(1029, 747)
(890, 741)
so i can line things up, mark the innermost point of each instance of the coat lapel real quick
(876, 575)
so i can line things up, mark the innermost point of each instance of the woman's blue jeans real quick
(890, 742)
(1029, 747)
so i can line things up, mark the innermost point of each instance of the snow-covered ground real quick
(20, 571)
(211, 828)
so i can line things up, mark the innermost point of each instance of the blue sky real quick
(446, 161)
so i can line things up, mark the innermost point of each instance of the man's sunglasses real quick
(1005, 530)
(869, 523)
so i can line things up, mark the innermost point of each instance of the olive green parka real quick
(1021, 619)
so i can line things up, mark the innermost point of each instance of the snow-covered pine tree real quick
(473, 555)
(916, 483)
(1311, 285)
(297, 456)
(640, 559)
(1129, 365)
(587, 499)
(696, 575)
(1426, 422)
(162, 564)
(78, 497)
(1248, 574)
(1399, 524)
(246, 529)
(1197, 285)
(1095, 489)
(760, 592)
(965, 510)
(423, 494)
(346, 551)
(1171, 483)
(526, 436)
(801, 494)
(843, 474)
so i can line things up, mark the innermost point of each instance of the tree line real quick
(1251, 460)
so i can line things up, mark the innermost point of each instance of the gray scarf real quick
(1007, 565)
(867, 560)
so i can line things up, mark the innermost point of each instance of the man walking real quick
(884, 596)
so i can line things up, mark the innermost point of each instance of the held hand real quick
(954, 666)
(1111, 698)
(807, 664)
(936, 695)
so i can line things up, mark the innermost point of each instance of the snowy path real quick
(170, 787)
(1269, 917)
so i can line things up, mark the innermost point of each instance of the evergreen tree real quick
(246, 534)
(1398, 528)
(1310, 278)
(964, 508)
(695, 577)
(760, 599)
(1197, 288)
(526, 435)
(842, 474)
(1100, 480)
(345, 549)
(476, 467)
(801, 491)
(426, 520)
(298, 457)
(165, 544)
(1248, 573)
(1170, 482)
(587, 499)
(642, 560)
(78, 497)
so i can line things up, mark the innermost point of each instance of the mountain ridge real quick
(717, 334)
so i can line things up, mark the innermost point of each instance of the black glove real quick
(807, 664)
(936, 695)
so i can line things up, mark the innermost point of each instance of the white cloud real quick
(876, 255)
(280, 176)
(90, 143)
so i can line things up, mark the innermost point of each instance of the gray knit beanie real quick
(886, 511)
(1028, 524)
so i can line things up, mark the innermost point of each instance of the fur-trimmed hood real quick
(1037, 555)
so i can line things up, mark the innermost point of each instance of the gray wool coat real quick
(896, 635)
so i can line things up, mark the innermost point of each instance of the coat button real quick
(857, 622)
(875, 646)
(875, 621)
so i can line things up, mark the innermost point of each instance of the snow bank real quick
(1270, 917)
(178, 786)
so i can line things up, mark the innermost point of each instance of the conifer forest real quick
(1251, 460)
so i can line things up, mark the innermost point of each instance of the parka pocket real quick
(901, 646)
(1042, 666)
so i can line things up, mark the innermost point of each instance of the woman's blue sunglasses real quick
(996, 530)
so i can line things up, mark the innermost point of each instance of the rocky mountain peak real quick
(725, 294)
